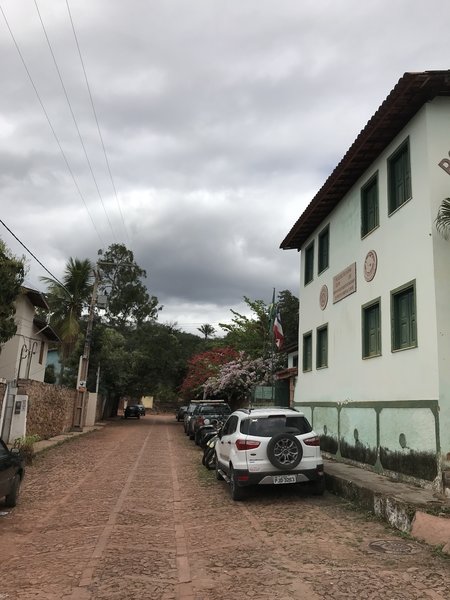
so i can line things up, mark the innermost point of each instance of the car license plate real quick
(284, 479)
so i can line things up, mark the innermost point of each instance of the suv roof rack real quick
(253, 408)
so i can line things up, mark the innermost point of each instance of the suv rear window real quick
(269, 426)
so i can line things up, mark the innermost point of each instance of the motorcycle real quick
(206, 432)
(209, 452)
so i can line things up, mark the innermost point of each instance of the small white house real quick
(374, 336)
(24, 356)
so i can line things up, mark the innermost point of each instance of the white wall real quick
(438, 127)
(404, 243)
(27, 334)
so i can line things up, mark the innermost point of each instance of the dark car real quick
(188, 414)
(133, 410)
(180, 412)
(12, 471)
(206, 414)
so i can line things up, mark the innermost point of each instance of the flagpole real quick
(272, 344)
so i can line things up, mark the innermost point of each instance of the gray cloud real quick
(221, 120)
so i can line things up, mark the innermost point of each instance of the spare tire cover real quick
(284, 451)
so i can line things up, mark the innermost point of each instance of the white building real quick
(374, 336)
(24, 356)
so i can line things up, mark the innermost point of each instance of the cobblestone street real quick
(128, 512)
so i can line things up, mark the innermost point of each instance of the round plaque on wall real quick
(370, 265)
(323, 298)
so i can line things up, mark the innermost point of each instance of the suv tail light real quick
(247, 444)
(313, 441)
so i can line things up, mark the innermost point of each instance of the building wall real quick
(438, 127)
(408, 249)
(26, 336)
(2, 395)
(383, 435)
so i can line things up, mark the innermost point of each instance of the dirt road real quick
(128, 512)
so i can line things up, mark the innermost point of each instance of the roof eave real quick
(412, 91)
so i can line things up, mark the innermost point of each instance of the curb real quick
(409, 515)
(43, 445)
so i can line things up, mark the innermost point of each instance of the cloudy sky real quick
(220, 120)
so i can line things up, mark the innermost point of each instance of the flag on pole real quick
(278, 331)
(272, 311)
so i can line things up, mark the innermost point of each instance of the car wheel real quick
(318, 486)
(284, 451)
(210, 460)
(12, 498)
(219, 476)
(237, 493)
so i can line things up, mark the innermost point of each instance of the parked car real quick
(207, 415)
(188, 414)
(268, 446)
(200, 414)
(12, 471)
(194, 409)
(133, 410)
(180, 412)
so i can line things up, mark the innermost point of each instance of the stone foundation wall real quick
(50, 408)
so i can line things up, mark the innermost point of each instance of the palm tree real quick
(67, 299)
(207, 330)
(443, 218)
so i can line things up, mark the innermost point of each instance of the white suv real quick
(267, 446)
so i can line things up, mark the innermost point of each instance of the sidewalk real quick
(419, 512)
(422, 513)
(60, 439)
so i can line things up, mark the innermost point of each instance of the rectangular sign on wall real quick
(344, 283)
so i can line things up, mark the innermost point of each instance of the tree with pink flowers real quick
(236, 380)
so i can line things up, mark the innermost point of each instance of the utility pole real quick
(79, 414)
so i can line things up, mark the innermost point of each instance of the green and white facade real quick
(374, 336)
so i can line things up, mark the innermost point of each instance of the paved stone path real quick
(128, 512)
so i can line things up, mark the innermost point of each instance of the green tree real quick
(121, 279)
(288, 305)
(161, 353)
(139, 361)
(67, 300)
(116, 366)
(443, 218)
(253, 335)
(207, 330)
(250, 334)
(12, 273)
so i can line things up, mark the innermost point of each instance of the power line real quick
(50, 123)
(96, 119)
(73, 116)
(35, 257)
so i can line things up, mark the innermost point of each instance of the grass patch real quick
(206, 478)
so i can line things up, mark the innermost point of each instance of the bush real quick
(26, 446)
